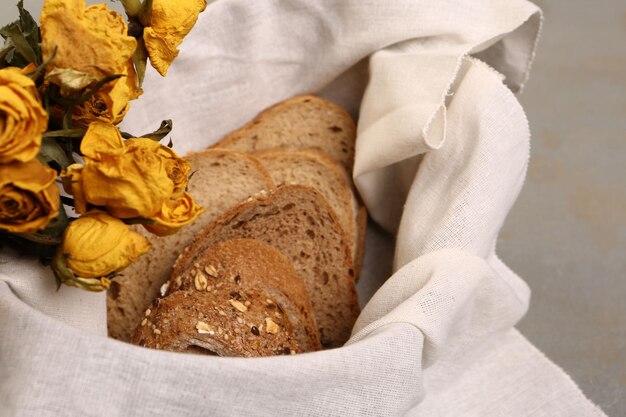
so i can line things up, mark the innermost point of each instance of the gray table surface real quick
(566, 235)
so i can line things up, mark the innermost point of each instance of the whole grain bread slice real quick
(316, 169)
(221, 178)
(300, 122)
(217, 323)
(297, 220)
(249, 263)
(361, 221)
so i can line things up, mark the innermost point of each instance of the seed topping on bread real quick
(210, 269)
(204, 328)
(201, 282)
(238, 305)
(270, 326)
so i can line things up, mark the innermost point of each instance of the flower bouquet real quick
(71, 182)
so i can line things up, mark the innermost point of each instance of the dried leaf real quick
(163, 130)
(69, 80)
(138, 220)
(140, 60)
(131, 7)
(67, 119)
(20, 42)
(41, 68)
(64, 274)
(7, 53)
(9, 57)
(5, 31)
(43, 243)
(65, 133)
(51, 151)
(145, 14)
(30, 30)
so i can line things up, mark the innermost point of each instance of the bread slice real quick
(221, 179)
(361, 221)
(298, 221)
(316, 169)
(248, 264)
(300, 122)
(217, 323)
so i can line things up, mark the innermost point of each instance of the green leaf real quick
(5, 31)
(57, 279)
(21, 43)
(35, 240)
(51, 151)
(145, 15)
(53, 233)
(8, 57)
(43, 243)
(67, 119)
(140, 60)
(131, 7)
(6, 53)
(65, 133)
(30, 30)
(163, 130)
(43, 247)
(138, 220)
(64, 274)
(40, 69)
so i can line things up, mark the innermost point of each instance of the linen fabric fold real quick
(441, 156)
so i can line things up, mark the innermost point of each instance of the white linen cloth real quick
(441, 155)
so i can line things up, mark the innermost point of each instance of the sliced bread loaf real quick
(300, 122)
(217, 323)
(316, 169)
(248, 264)
(361, 221)
(297, 220)
(221, 178)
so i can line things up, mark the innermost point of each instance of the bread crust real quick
(297, 221)
(216, 324)
(360, 244)
(300, 122)
(248, 263)
(310, 166)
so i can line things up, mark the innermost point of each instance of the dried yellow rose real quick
(29, 198)
(73, 184)
(111, 103)
(173, 215)
(132, 178)
(92, 43)
(166, 25)
(22, 118)
(178, 169)
(97, 244)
